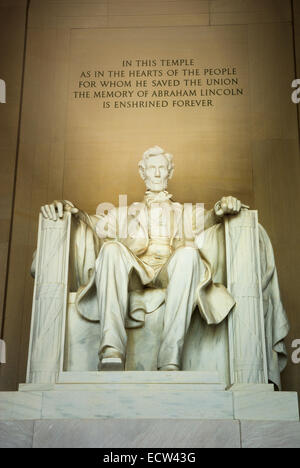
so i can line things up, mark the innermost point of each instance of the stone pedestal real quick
(149, 410)
(147, 395)
(149, 433)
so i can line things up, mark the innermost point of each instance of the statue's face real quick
(156, 173)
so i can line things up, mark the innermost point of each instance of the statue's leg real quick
(113, 267)
(185, 270)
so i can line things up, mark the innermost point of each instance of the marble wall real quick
(248, 147)
(12, 34)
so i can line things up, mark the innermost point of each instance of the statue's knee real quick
(110, 257)
(111, 249)
(187, 255)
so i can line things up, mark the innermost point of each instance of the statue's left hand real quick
(56, 210)
(228, 206)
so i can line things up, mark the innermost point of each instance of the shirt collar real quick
(157, 197)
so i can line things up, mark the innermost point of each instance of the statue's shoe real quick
(111, 364)
(170, 367)
(111, 360)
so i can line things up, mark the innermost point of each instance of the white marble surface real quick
(252, 388)
(20, 405)
(49, 300)
(133, 387)
(267, 434)
(16, 434)
(149, 433)
(144, 343)
(139, 434)
(123, 403)
(127, 395)
(35, 387)
(148, 395)
(266, 406)
(82, 341)
(248, 360)
(140, 377)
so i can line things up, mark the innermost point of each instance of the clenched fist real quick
(228, 206)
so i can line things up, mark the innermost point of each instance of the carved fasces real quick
(247, 344)
(50, 300)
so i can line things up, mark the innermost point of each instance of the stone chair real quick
(64, 344)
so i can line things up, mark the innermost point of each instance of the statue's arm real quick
(210, 218)
(226, 206)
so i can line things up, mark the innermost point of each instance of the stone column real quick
(49, 300)
(247, 345)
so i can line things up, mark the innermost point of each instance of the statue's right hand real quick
(56, 210)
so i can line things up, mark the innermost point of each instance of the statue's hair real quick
(157, 151)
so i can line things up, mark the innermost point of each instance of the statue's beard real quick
(157, 186)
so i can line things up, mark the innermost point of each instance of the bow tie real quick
(151, 197)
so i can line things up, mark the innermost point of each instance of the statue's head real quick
(156, 168)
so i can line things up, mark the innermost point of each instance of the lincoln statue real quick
(155, 252)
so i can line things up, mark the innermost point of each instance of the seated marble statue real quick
(155, 244)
